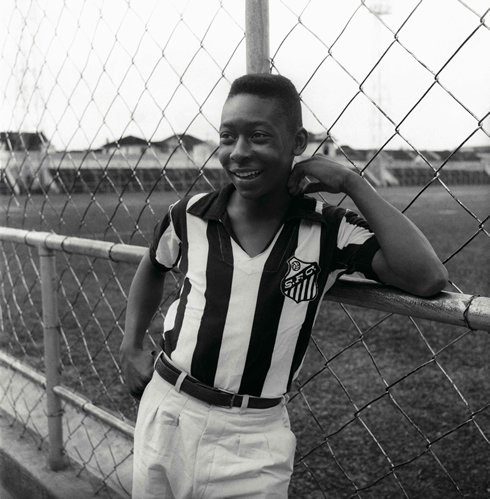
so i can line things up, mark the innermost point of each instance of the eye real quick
(226, 138)
(259, 136)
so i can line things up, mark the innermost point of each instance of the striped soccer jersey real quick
(242, 323)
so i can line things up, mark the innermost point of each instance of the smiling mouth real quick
(247, 175)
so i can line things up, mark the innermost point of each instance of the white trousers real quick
(186, 449)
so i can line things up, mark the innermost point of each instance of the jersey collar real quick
(213, 207)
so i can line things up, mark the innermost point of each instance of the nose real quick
(241, 151)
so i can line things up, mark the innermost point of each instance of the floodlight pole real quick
(257, 36)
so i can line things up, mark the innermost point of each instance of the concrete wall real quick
(99, 458)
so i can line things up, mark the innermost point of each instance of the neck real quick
(274, 206)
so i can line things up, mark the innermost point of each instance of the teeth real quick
(247, 175)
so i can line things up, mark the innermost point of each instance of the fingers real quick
(312, 186)
(302, 179)
(297, 179)
(137, 394)
(138, 387)
(137, 371)
(322, 174)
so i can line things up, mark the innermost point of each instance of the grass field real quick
(388, 406)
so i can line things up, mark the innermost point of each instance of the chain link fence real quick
(110, 113)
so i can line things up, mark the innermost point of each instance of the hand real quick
(320, 174)
(137, 369)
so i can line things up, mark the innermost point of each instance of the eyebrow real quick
(250, 124)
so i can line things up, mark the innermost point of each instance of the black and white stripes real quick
(242, 323)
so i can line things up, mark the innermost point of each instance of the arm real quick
(406, 258)
(144, 299)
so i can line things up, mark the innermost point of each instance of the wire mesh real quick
(110, 113)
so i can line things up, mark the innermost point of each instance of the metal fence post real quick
(257, 33)
(52, 359)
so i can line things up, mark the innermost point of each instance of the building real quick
(176, 151)
(25, 162)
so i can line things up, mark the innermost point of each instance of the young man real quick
(257, 258)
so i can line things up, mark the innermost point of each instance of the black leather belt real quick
(207, 394)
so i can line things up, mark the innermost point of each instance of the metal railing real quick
(472, 312)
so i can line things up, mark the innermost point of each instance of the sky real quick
(86, 73)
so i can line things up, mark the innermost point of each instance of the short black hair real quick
(272, 86)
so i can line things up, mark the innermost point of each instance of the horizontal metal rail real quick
(116, 252)
(458, 309)
(471, 311)
(67, 395)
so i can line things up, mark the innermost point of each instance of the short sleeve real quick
(165, 248)
(356, 246)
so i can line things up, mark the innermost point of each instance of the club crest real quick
(300, 282)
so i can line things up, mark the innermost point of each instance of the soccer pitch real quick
(388, 395)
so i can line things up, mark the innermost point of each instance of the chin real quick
(247, 193)
(251, 193)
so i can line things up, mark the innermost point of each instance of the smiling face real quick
(256, 146)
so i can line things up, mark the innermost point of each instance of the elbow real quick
(433, 282)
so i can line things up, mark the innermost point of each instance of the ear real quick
(300, 141)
